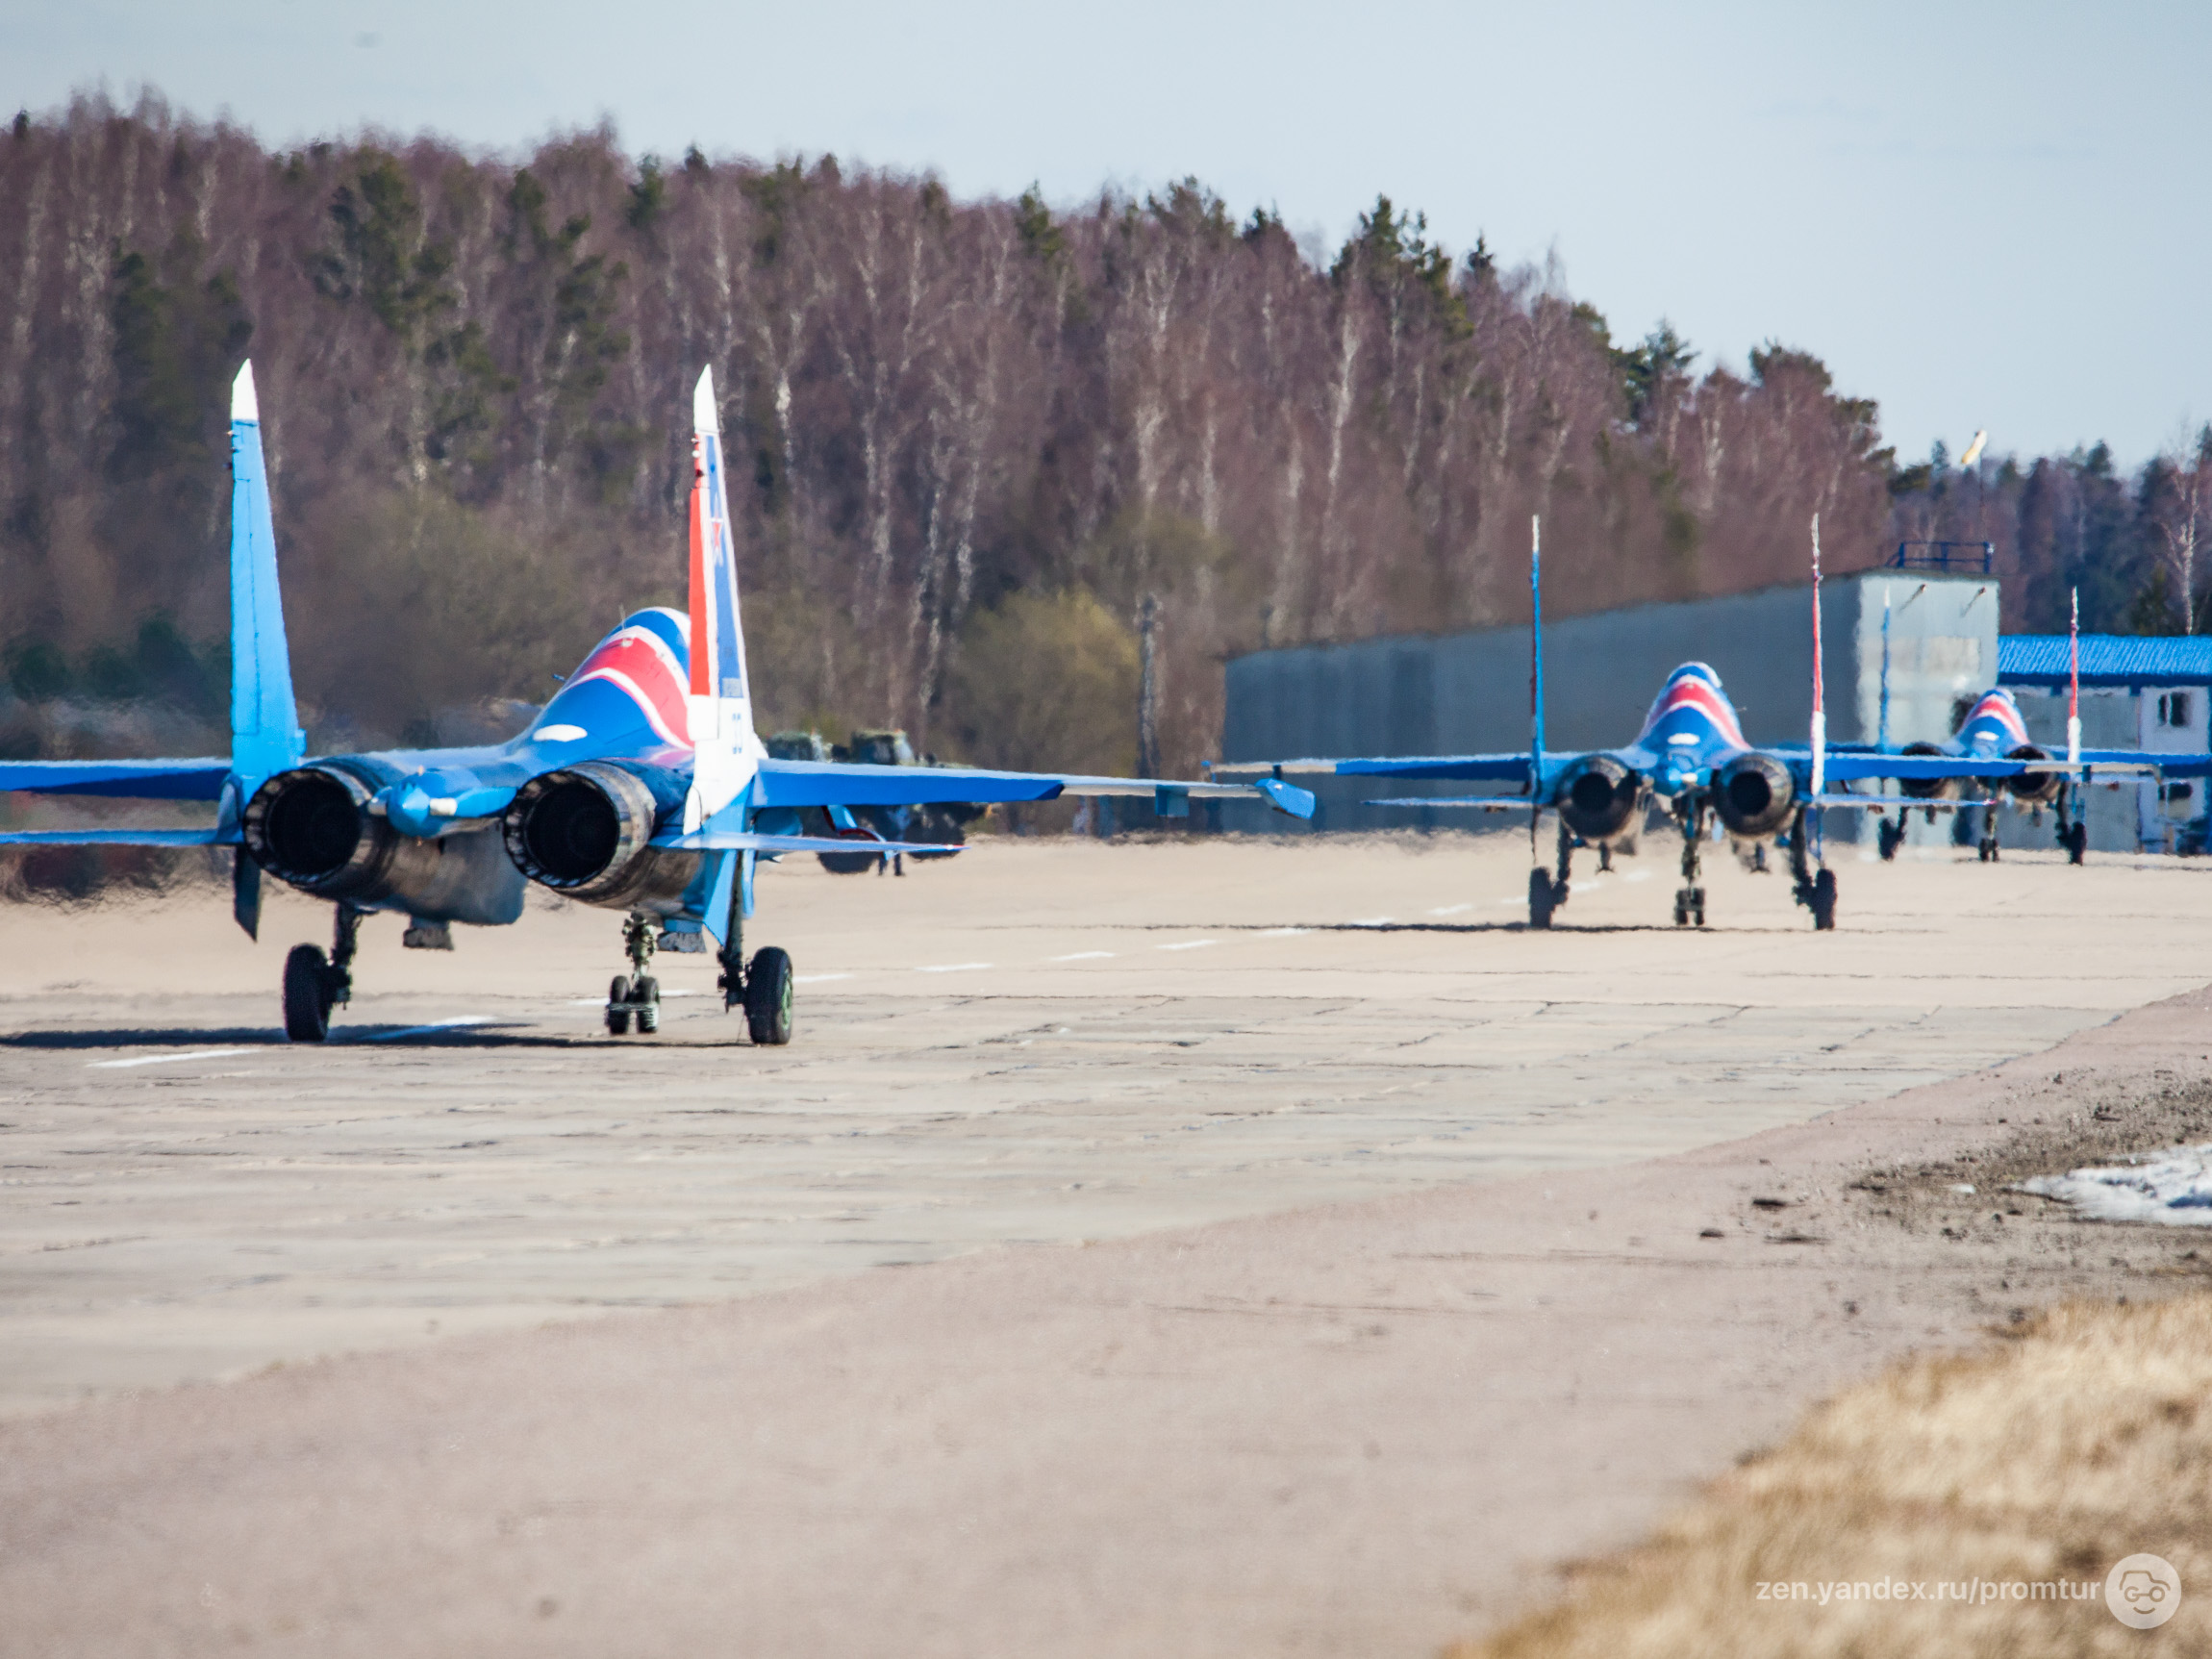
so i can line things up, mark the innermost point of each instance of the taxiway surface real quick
(1040, 1042)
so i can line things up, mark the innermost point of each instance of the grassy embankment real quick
(2086, 1437)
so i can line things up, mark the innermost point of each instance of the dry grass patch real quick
(2084, 1438)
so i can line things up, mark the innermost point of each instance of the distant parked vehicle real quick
(873, 828)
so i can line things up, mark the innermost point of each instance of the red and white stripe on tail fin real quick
(2074, 684)
(724, 743)
(1820, 714)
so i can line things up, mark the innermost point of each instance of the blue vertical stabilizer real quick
(266, 736)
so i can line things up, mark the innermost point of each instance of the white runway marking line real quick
(953, 968)
(1283, 932)
(165, 1059)
(1373, 921)
(426, 1030)
(1083, 956)
(808, 979)
(1189, 945)
(1450, 908)
(1636, 875)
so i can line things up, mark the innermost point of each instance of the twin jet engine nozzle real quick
(1599, 797)
(1755, 796)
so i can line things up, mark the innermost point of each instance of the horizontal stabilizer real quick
(1468, 803)
(193, 780)
(1286, 797)
(112, 837)
(745, 840)
(1882, 803)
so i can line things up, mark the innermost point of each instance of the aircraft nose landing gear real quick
(635, 995)
(1690, 898)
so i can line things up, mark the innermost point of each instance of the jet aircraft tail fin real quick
(266, 736)
(722, 703)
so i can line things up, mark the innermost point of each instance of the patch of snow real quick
(2175, 1189)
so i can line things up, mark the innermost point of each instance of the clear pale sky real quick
(1979, 215)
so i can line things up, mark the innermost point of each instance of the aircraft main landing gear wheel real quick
(1540, 898)
(2075, 841)
(314, 984)
(307, 995)
(1690, 907)
(768, 997)
(1888, 837)
(618, 1006)
(1824, 904)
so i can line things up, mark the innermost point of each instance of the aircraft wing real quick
(1470, 769)
(2138, 760)
(115, 837)
(195, 780)
(746, 841)
(856, 784)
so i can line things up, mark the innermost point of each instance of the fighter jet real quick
(642, 787)
(1691, 756)
(1991, 728)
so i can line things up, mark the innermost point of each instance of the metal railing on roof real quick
(1967, 558)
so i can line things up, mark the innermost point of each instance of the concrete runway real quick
(1037, 1044)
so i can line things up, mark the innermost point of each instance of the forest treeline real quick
(967, 439)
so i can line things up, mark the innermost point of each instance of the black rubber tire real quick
(646, 997)
(768, 997)
(1888, 837)
(307, 1000)
(1540, 906)
(1824, 901)
(2076, 842)
(618, 1006)
(649, 1017)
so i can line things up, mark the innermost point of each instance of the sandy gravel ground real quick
(1358, 1427)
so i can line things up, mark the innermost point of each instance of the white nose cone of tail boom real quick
(245, 405)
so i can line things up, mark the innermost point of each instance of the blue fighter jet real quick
(1992, 728)
(1691, 756)
(640, 787)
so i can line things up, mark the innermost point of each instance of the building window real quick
(2178, 795)
(2174, 709)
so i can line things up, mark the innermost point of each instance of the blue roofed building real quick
(2137, 692)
